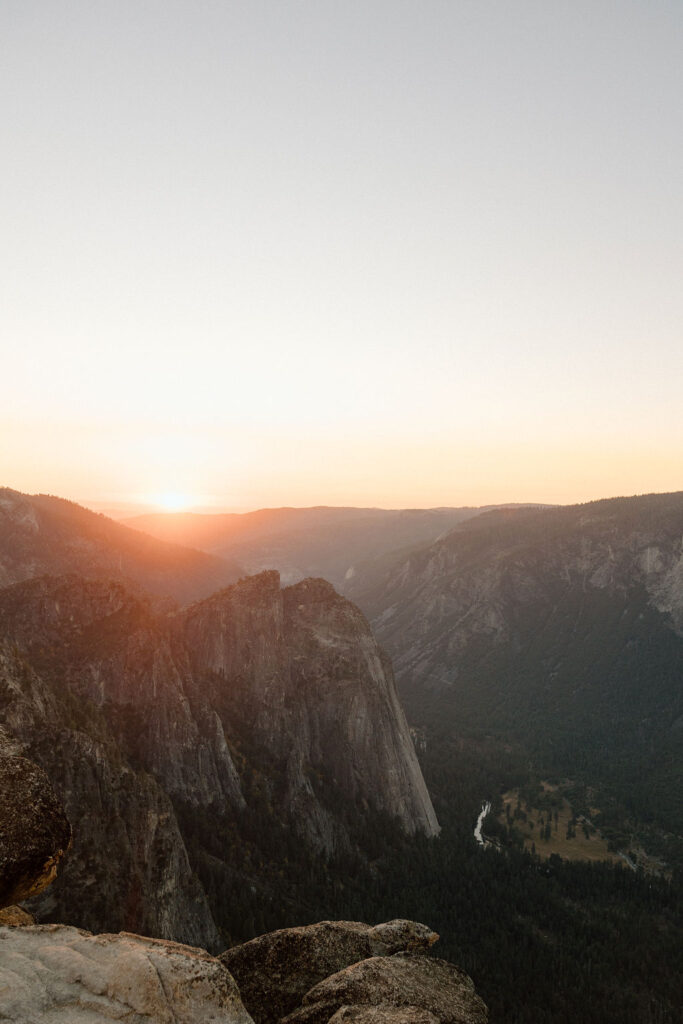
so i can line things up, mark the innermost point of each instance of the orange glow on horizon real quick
(172, 501)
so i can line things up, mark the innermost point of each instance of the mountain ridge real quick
(559, 628)
(324, 541)
(43, 534)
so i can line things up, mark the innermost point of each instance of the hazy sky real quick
(392, 253)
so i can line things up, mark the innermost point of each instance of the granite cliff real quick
(300, 671)
(151, 722)
(561, 629)
(475, 582)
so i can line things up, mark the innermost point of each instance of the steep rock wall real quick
(133, 713)
(302, 670)
(128, 867)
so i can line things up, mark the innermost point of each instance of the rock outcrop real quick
(383, 1014)
(302, 671)
(149, 724)
(34, 830)
(67, 976)
(275, 971)
(405, 982)
(128, 866)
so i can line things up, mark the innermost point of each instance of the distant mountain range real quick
(299, 542)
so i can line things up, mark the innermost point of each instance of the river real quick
(480, 821)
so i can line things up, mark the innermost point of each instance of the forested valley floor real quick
(545, 940)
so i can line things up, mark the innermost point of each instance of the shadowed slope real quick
(43, 535)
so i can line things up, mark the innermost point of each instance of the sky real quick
(295, 252)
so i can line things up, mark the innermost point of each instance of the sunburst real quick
(174, 501)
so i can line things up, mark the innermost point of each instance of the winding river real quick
(480, 821)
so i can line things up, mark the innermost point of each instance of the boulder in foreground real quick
(407, 981)
(68, 976)
(383, 1015)
(275, 971)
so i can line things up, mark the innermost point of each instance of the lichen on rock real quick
(15, 917)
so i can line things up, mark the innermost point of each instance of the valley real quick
(236, 759)
(556, 629)
(339, 544)
(550, 826)
(341, 513)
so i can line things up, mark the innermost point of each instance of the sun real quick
(173, 501)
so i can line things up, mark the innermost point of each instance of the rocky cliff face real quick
(128, 865)
(133, 713)
(34, 831)
(475, 583)
(561, 628)
(283, 664)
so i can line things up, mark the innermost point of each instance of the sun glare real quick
(173, 501)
